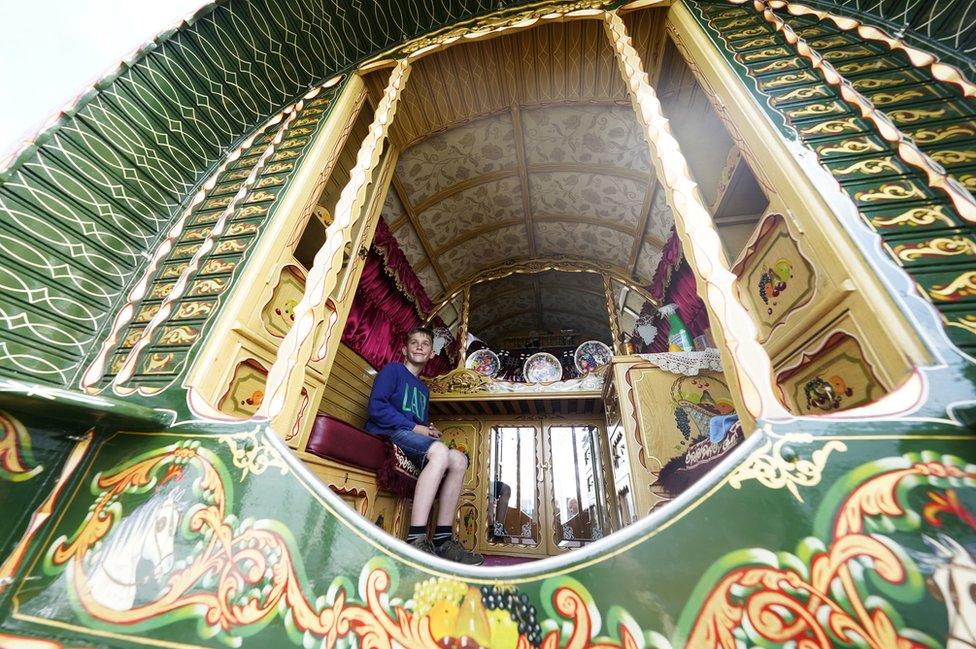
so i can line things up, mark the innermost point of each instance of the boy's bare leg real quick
(427, 482)
(457, 463)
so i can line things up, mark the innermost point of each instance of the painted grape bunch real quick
(773, 281)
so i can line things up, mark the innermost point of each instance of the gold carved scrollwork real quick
(890, 192)
(775, 465)
(862, 145)
(459, 381)
(868, 167)
(917, 216)
(940, 247)
(833, 127)
(253, 455)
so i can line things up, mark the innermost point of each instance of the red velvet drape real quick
(674, 282)
(380, 317)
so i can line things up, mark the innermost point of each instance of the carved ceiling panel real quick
(610, 198)
(647, 260)
(428, 277)
(584, 240)
(661, 220)
(456, 156)
(601, 136)
(472, 209)
(485, 250)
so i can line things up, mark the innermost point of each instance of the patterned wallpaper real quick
(584, 240)
(596, 135)
(472, 208)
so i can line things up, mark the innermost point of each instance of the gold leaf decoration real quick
(890, 192)
(959, 288)
(862, 145)
(768, 465)
(870, 167)
(832, 127)
(940, 247)
(252, 455)
(917, 216)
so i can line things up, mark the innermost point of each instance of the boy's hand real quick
(434, 432)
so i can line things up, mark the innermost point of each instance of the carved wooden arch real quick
(540, 265)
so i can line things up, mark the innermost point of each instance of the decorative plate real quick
(483, 361)
(542, 368)
(591, 355)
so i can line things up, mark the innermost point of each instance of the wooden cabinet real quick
(829, 349)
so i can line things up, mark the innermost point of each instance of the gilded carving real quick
(207, 286)
(215, 266)
(238, 229)
(802, 93)
(229, 246)
(765, 54)
(951, 157)
(939, 247)
(915, 217)
(959, 288)
(159, 362)
(169, 272)
(251, 211)
(179, 335)
(776, 466)
(890, 192)
(832, 127)
(862, 145)
(907, 116)
(931, 135)
(260, 197)
(884, 98)
(193, 310)
(840, 55)
(966, 323)
(781, 64)
(867, 167)
(253, 455)
(459, 381)
(217, 203)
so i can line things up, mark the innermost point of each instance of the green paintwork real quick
(83, 204)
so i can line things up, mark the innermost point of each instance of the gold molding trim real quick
(287, 375)
(253, 456)
(540, 265)
(775, 466)
(908, 151)
(751, 368)
(919, 58)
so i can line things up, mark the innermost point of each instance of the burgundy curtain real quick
(674, 282)
(389, 302)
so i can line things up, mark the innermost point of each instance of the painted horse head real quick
(954, 574)
(148, 534)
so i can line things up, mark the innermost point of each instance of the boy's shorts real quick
(414, 445)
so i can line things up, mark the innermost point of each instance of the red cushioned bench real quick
(334, 439)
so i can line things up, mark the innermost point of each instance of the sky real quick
(50, 50)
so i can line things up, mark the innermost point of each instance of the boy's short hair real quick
(427, 331)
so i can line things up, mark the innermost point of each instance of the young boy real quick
(398, 410)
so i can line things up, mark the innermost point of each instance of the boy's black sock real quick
(416, 532)
(441, 534)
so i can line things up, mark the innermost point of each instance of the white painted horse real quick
(954, 574)
(147, 534)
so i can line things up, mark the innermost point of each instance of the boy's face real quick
(419, 349)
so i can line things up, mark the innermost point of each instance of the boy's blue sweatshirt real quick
(398, 401)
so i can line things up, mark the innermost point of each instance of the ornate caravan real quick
(701, 280)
